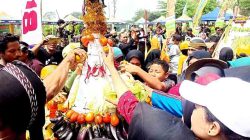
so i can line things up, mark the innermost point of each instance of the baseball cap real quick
(206, 65)
(226, 98)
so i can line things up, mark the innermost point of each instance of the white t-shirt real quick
(174, 55)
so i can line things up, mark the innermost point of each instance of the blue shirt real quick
(167, 102)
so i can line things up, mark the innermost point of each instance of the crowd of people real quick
(194, 95)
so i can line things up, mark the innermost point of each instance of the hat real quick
(51, 39)
(184, 45)
(205, 62)
(197, 43)
(117, 52)
(244, 61)
(190, 29)
(188, 106)
(47, 70)
(243, 49)
(226, 98)
(69, 48)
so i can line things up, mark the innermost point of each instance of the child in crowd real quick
(157, 75)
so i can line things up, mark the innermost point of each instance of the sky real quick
(125, 8)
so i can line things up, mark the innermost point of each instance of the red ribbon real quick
(93, 72)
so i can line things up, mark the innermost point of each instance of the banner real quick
(32, 22)
(170, 25)
(170, 20)
(198, 13)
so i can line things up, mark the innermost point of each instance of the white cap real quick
(228, 99)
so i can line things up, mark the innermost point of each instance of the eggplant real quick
(55, 120)
(108, 131)
(103, 131)
(65, 133)
(113, 131)
(58, 125)
(69, 136)
(82, 134)
(62, 130)
(119, 134)
(90, 134)
(121, 131)
(96, 133)
(76, 131)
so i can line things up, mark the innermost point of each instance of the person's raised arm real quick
(119, 84)
(36, 48)
(55, 81)
(151, 81)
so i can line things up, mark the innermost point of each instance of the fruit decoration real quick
(94, 18)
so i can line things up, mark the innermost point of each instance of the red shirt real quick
(126, 105)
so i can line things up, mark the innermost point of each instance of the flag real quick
(198, 13)
(32, 22)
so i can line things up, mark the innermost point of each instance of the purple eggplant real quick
(55, 120)
(70, 136)
(57, 125)
(63, 135)
(60, 130)
(108, 131)
(119, 134)
(90, 134)
(82, 134)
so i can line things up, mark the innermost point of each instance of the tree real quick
(151, 15)
(191, 7)
(244, 7)
(162, 7)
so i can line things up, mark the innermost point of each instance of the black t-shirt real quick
(46, 58)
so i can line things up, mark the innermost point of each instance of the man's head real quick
(158, 69)
(195, 45)
(219, 108)
(24, 51)
(60, 22)
(52, 43)
(176, 39)
(218, 30)
(123, 37)
(190, 31)
(9, 48)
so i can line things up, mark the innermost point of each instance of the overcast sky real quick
(125, 8)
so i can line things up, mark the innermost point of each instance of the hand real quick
(109, 59)
(79, 69)
(129, 68)
(44, 41)
(76, 56)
